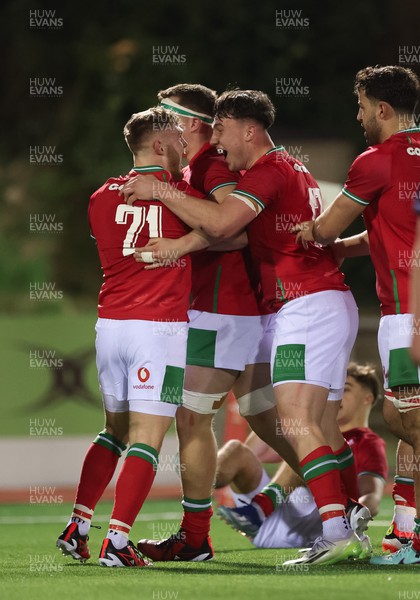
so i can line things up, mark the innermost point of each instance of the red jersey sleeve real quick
(371, 457)
(368, 177)
(260, 186)
(217, 175)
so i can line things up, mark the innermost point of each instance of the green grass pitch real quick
(32, 568)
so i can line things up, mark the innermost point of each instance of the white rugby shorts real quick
(227, 341)
(141, 364)
(313, 339)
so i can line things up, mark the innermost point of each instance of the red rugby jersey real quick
(222, 282)
(128, 291)
(282, 192)
(368, 450)
(386, 179)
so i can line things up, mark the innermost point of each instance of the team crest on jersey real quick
(143, 374)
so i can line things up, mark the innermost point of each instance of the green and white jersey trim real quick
(276, 149)
(221, 185)
(372, 474)
(410, 130)
(354, 197)
(250, 200)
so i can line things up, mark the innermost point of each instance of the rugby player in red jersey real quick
(381, 184)
(226, 347)
(415, 285)
(316, 317)
(140, 343)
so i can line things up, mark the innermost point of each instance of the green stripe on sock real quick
(146, 452)
(110, 442)
(319, 466)
(345, 459)
(192, 505)
(276, 494)
(404, 480)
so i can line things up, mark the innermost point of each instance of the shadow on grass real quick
(241, 568)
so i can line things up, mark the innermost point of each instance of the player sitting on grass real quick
(283, 514)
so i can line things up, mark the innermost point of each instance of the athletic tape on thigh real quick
(257, 401)
(113, 405)
(404, 404)
(205, 404)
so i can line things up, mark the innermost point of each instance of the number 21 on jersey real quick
(141, 215)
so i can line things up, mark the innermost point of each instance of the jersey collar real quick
(271, 151)
(409, 130)
(276, 149)
(155, 170)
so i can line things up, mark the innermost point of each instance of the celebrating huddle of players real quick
(241, 231)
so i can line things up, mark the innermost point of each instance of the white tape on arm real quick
(147, 257)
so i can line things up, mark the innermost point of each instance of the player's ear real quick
(369, 399)
(158, 147)
(385, 111)
(194, 124)
(250, 131)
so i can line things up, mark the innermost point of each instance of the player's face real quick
(185, 121)
(355, 399)
(175, 146)
(368, 120)
(229, 135)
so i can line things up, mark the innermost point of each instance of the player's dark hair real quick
(398, 86)
(140, 125)
(192, 95)
(246, 104)
(367, 377)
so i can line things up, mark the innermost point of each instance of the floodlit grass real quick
(31, 566)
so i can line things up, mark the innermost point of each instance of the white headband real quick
(185, 112)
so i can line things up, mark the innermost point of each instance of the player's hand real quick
(304, 233)
(159, 252)
(141, 187)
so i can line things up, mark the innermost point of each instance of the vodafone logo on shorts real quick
(143, 374)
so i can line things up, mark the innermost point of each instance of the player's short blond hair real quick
(141, 125)
(367, 377)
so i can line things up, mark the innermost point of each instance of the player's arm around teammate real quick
(140, 345)
(258, 203)
(387, 97)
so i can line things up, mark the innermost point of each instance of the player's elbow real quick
(219, 229)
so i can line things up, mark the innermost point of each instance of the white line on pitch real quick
(97, 518)
(170, 516)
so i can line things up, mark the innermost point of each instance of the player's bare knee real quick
(231, 451)
(191, 425)
(232, 459)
